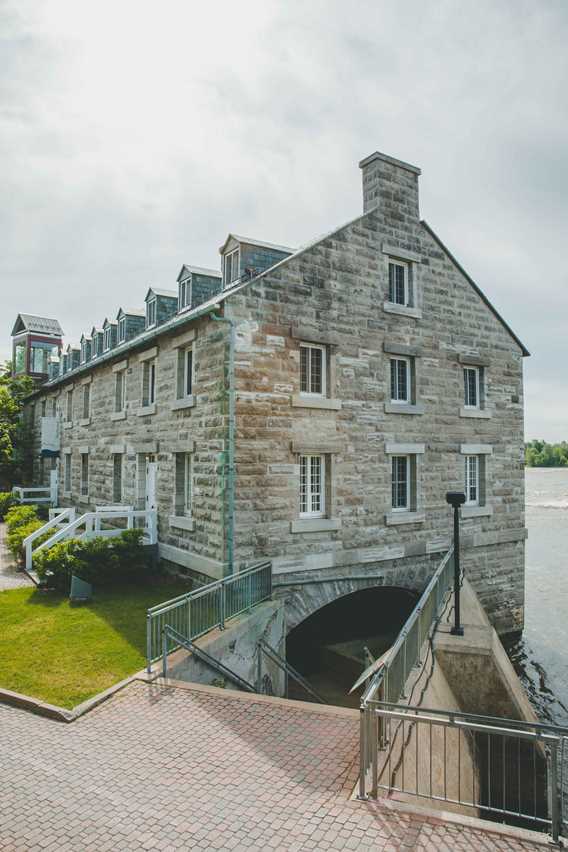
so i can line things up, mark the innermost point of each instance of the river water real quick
(541, 655)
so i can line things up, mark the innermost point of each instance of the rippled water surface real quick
(541, 656)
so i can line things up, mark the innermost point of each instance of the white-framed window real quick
(184, 294)
(472, 387)
(471, 484)
(149, 382)
(151, 312)
(83, 352)
(117, 478)
(67, 473)
(401, 380)
(184, 484)
(231, 267)
(84, 474)
(86, 401)
(122, 330)
(185, 372)
(313, 369)
(107, 338)
(119, 391)
(401, 485)
(43, 407)
(399, 283)
(69, 407)
(312, 486)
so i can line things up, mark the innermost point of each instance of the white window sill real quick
(67, 494)
(402, 310)
(477, 413)
(181, 522)
(304, 525)
(118, 415)
(300, 401)
(404, 408)
(394, 519)
(146, 410)
(83, 498)
(476, 511)
(86, 421)
(68, 424)
(186, 402)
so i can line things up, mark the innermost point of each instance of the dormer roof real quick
(251, 242)
(188, 270)
(108, 322)
(155, 291)
(84, 338)
(131, 312)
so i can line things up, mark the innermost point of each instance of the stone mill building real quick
(310, 405)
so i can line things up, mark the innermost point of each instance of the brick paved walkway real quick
(10, 578)
(164, 768)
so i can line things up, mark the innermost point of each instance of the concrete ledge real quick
(145, 447)
(83, 498)
(323, 447)
(476, 449)
(120, 365)
(402, 310)
(322, 402)
(68, 424)
(402, 253)
(146, 410)
(473, 360)
(475, 413)
(86, 421)
(186, 402)
(194, 561)
(118, 415)
(476, 511)
(395, 519)
(404, 449)
(308, 525)
(404, 408)
(148, 354)
(314, 335)
(181, 522)
(184, 339)
(394, 348)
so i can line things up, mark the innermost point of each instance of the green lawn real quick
(63, 653)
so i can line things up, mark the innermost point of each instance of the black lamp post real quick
(456, 499)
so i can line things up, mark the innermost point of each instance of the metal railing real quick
(196, 613)
(289, 671)
(32, 495)
(388, 682)
(171, 634)
(493, 768)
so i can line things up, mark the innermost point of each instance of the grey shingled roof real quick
(42, 325)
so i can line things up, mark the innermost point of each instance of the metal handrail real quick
(288, 669)
(170, 633)
(197, 612)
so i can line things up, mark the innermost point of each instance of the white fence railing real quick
(32, 495)
(92, 525)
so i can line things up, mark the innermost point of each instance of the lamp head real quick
(455, 498)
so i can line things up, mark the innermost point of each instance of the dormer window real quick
(122, 330)
(107, 338)
(83, 352)
(151, 312)
(231, 268)
(184, 298)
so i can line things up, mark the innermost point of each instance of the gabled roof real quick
(155, 291)
(95, 330)
(108, 322)
(131, 312)
(42, 325)
(249, 241)
(477, 289)
(84, 337)
(197, 270)
(71, 347)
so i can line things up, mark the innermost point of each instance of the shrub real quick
(18, 515)
(99, 561)
(56, 564)
(6, 500)
(17, 534)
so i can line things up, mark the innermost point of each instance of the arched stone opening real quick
(327, 647)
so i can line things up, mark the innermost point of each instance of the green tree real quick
(14, 434)
(541, 454)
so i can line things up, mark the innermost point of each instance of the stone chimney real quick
(391, 186)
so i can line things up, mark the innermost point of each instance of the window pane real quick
(315, 483)
(304, 369)
(189, 372)
(117, 478)
(316, 371)
(20, 358)
(303, 484)
(399, 482)
(470, 386)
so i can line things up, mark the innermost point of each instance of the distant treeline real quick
(541, 454)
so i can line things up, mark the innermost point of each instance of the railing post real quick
(553, 791)
(222, 605)
(148, 643)
(362, 753)
(164, 653)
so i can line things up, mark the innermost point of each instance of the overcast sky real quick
(134, 135)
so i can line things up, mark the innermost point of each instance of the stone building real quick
(312, 406)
